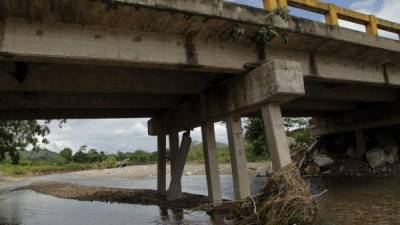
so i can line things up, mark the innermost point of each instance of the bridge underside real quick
(182, 68)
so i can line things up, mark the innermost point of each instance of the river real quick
(348, 201)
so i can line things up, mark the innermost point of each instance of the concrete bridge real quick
(176, 62)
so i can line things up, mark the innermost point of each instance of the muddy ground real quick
(115, 195)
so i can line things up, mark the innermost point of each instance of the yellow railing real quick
(333, 14)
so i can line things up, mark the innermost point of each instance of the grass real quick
(26, 170)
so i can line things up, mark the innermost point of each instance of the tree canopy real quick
(16, 136)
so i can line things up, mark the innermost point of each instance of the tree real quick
(66, 153)
(16, 136)
(94, 156)
(255, 133)
(255, 136)
(80, 157)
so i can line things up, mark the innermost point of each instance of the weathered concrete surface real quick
(275, 81)
(175, 187)
(241, 186)
(373, 117)
(211, 162)
(275, 133)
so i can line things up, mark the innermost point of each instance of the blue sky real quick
(131, 134)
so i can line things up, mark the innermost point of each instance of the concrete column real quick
(174, 150)
(161, 164)
(238, 158)
(276, 136)
(211, 162)
(175, 187)
(360, 143)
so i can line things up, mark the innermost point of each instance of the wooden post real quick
(372, 26)
(332, 18)
(276, 136)
(238, 158)
(211, 162)
(161, 164)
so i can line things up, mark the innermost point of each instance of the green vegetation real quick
(257, 149)
(44, 161)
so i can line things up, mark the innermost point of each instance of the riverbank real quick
(141, 171)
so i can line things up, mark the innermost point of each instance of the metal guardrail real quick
(333, 13)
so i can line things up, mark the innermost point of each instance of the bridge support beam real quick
(175, 187)
(373, 117)
(276, 136)
(211, 162)
(161, 164)
(274, 81)
(238, 158)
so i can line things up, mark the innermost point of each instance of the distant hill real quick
(44, 154)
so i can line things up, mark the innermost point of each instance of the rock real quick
(323, 160)
(261, 172)
(381, 156)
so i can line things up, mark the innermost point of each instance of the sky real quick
(131, 134)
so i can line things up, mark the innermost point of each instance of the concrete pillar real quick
(174, 150)
(161, 164)
(211, 162)
(360, 143)
(276, 136)
(175, 187)
(238, 158)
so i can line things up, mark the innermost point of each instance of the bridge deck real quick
(131, 58)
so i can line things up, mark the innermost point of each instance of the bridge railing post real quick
(372, 26)
(270, 5)
(331, 17)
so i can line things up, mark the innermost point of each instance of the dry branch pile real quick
(285, 200)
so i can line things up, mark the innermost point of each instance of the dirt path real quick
(140, 171)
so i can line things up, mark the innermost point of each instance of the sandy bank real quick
(115, 195)
(141, 171)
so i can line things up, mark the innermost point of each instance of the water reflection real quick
(349, 201)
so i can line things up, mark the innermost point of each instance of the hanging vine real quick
(266, 33)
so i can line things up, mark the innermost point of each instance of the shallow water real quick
(348, 202)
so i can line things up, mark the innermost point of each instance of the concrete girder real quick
(361, 119)
(77, 113)
(275, 81)
(320, 90)
(102, 79)
(61, 100)
(76, 44)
